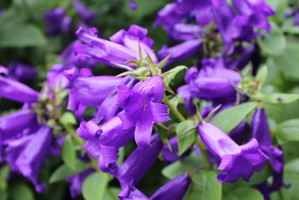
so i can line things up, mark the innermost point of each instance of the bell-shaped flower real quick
(142, 108)
(57, 22)
(174, 189)
(239, 131)
(27, 154)
(90, 91)
(257, 11)
(181, 51)
(261, 132)
(17, 91)
(8, 126)
(136, 165)
(122, 47)
(87, 15)
(237, 161)
(104, 142)
(20, 72)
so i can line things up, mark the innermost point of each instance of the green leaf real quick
(229, 118)
(292, 166)
(288, 62)
(67, 118)
(288, 131)
(192, 162)
(65, 171)
(281, 98)
(280, 7)
(21, 35)
(68, 152)
(172, 73)
(113, 195)
(20, 191)
(244, 193)
(4, 172)
(189, 135)
(262, 76)
(94, 186)
(274, 43)
(210, 188)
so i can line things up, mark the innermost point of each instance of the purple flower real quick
(16, 91)
(133, 5)
(296, 19)
(238, 161)
(174, 189)
(103, 142)
(257, 11)
(184, 32)
(261, 132)
(90, 91)
(69, 58)
(57, 22)
(56, 77)
(171, 154)
(87, 15)
(142, 108)
(27, 154)
(131, 193)
(123, 46)
(77, 180)
(210, 83)
(239, 131)
(136, 165)
(20, 72)
(181, 51)
(9, 128)
(243, 57)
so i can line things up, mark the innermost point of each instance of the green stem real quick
(203, 153)
(281, 194)
(174, 109)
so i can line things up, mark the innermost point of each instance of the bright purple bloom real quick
(142, 108)
(103, 142)
(257, 11)
(77, 180)
(27, 154)
(123, 45)
(16, 91)
(13, 124)
(261, 132)
(90, 91)
(243, 57)
(87, 15)
(238, 161)
(210, 83)
(136, 165)
(131, 193)
(239, 131)
(56, 77)
(184, 32)
(171, 155)
(20, 72)
(57, 22)
(69, 58)
(181, 51)
(174, 189)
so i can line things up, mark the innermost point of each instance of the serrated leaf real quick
(288, 131)
(65, 171)
(94, 186)
(186, 140)
(67, 118)
(68, 152)
(172, 73)
(20, 191)
(210, 188)
(281, 98)
(244, 193)
(229, 118)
